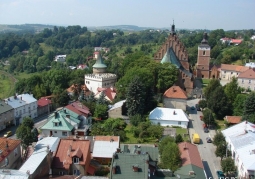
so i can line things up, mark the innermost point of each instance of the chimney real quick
(138, 151)
(64, 110)
(135, 168)
(118, 150)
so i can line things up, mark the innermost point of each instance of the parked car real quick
(206, 130)
(208, 140)
(220, 174)
(192, 108)
(8, 134)
(197, 107)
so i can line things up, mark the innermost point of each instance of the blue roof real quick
(99, 63)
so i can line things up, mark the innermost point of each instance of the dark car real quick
(208, 140)
(206, 130)
(197, 107)
(220, 174)
(192, 108)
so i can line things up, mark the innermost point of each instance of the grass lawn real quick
(23, 75)
(132, 140)
(183, 132)
(205, 82)
(46, 48)
(6, 86)
(220, 125)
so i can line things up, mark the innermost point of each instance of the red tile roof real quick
(78, 108)
(190, 154)
(250, 74)
(236, 41)
(233, 119)
(237, 68)
(175, 92)
(43, 102)
(63, 156)
(12, 144)
(110, 93)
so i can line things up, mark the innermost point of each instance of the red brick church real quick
(173, 51)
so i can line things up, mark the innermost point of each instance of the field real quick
(7, 84)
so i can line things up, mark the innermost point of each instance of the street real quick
(207, 150)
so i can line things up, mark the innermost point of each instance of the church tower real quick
(203, 59)
(99, 66)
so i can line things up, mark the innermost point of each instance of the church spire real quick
(173, 29)
(205, 39)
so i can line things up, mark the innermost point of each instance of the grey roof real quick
(124, 163)
(20, 100)
(13, 174)
(150, 149)
(40, 152)
(99, 63)
(4, 107)
(117, 105)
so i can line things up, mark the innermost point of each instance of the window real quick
(76, 172)
(203, 52)
(242, 80)
(231, 72)
(76, 160)
(55, 132)
(61, 173)
(249, 81)
(179, 123)
(55, 123)
(64, 133)
(224, 71)
(23, 110)
(236, 73)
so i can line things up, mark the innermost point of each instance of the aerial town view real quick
(103, 89)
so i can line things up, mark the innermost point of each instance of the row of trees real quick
(228, 100)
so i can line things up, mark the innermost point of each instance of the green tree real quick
(202, 104)
(136, 119)
(221, 150)
(171, 160)
(218, 103)
(178, 139)
(25, 135)
(35, 135)
(164, 142)
(214, 83)
(27, 121)
(208, 117)
(238, 104)
(101, 110)
(218, 138)
(135, 97)
(101, 99)
(155, 131)
(232, 89)
(228, 165)
(249, 108)
(167, 76)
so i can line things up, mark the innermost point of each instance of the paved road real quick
(206, 150)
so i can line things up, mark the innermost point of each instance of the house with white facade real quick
(60, 58)
(228, 71)
(241, 142)
(246, 79)
(24, 105)
(250, 64)
(169, 117)
(99, 78)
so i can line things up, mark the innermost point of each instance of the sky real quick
(187, 14)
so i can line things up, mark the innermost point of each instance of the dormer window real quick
(76, 160)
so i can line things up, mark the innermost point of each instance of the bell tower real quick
(203, 59)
